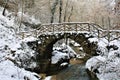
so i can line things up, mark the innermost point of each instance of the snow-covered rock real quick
(9, 71)
(14, 52)
(106, 66)
(62, 52)
(57, 56)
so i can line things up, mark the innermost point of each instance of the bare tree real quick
(6, 2)
(69, 17)
(65, 14)
(53, 9)
(60, 11)
(22, 10)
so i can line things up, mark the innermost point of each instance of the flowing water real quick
(76, 71)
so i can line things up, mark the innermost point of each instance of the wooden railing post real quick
(76, 27)
(98, 34)
(108, 36)
(117, 34)
(89, 27)
(53, 28)
(64, 27)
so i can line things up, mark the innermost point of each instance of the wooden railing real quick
(69, 27)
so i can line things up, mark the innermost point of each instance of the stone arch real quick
(47, 42)
(44, 47)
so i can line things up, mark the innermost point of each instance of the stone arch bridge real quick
(49, 34)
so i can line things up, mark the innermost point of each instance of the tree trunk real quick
(3, 13)
(103, 22)
(70, 14)
(60, 11)
(53, 10)
(65, 14)
(109, 25)
(22, 8)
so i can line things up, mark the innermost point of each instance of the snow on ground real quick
(57, 56)
(62, 52)
(76, 44)
(8, 71)
(64, 64)
(106, 65)
(29, 39)
(93, 39)
(48, 78)
(13, 50)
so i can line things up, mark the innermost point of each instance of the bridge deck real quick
(69, 27)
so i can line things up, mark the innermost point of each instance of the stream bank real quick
(75, 71)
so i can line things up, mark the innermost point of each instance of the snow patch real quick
(13, 50)
(48, 78)
(57, 56)
(106, 66)
(93, 40)
(29, 39)
(8, 71)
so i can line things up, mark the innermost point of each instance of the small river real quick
(76, 71)
(73, 72)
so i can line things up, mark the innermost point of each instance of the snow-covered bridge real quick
(49, 34)
(81, 33)
(45, 43)
(70, 27)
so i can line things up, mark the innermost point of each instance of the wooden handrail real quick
(72, 26)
